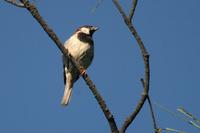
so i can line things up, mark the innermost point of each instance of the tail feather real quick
(66, 97)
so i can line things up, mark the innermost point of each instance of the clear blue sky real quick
(31, 78)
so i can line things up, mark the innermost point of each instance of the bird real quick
(81, 47)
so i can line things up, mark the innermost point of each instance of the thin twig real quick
(99, 2)
(34, 12)
(178, 116)
(169, 111)
(132, 10)
(151, 110)
(152, 115)
(121, 10)
(172, 130)
(15, 3)
(188, 115)
(145, 56)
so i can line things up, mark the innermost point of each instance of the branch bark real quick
(128, 21)
(34, 12)
(133, 7)
(156, 130)
(145, 56)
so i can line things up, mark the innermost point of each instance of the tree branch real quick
(151, 110)
(34, 12)
(121, 10)
(15, 3)
(156, 130)
(133, 7)
(128, 20)
(145, 56)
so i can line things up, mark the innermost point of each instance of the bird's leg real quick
(83, 71)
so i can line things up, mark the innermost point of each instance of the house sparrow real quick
(80, 45)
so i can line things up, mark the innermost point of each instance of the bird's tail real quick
(67, 95)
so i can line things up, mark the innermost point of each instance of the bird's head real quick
(87, 29)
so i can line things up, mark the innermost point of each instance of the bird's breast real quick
(77, 48)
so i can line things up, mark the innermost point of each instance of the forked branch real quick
(145, 55)
(35, 13)
(152, 112)
(128, 20)
(133, 7)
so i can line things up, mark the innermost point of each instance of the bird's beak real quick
(94, 28)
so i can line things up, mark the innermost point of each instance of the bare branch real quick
(99, 2)
(121, 11)
(34, 12)
(188, 115)
(133, 7)
(130, 119)
(145, 56)
(127, 19)
(15, 3)
(151, 110)
(152, 115)
(144, 96)
(147, 78)
(172, 130)
(178, 116)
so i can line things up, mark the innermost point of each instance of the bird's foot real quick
(83, 71)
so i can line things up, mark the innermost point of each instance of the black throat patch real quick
(85, 38)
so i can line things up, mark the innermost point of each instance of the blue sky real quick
(31, 80)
